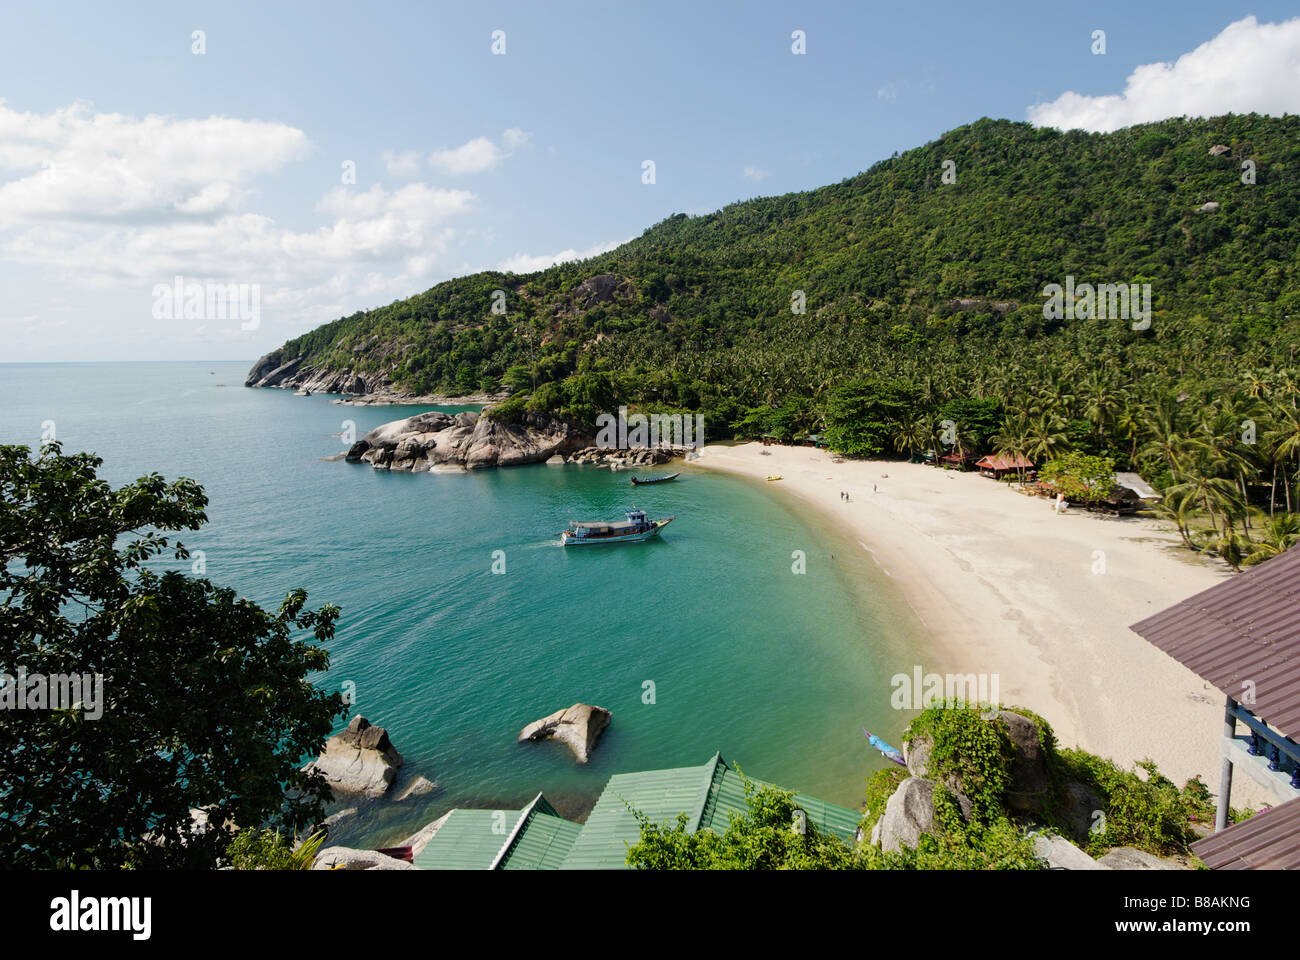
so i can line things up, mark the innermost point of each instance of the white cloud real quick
(754, 173)
(480, 153)
(514, 138)
(528, 263)
(888, 92)
(404, 165)
(1248, 67)
(116, 204)
(75, 164)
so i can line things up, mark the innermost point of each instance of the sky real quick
(312, 160)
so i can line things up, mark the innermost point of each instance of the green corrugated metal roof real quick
(659, 794)
(543, 843)
(537, 838)
(469, 840)
(729, 797)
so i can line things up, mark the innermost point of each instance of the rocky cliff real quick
(276, 370)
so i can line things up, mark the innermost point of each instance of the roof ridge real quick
(524, 816)
(708, 793)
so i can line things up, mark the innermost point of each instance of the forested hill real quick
(938, 283)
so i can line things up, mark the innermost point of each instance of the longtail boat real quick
(636, 527)
(890, 753)
(644, 480)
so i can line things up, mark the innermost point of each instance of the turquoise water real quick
(778, 671)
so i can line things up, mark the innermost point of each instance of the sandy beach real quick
(1007, 587)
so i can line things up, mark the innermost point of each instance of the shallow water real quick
(778, 671)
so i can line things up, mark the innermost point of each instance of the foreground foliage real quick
(207, 698)
(968, 751)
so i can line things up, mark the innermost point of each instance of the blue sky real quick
(127, 159)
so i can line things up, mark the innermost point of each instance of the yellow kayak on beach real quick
(775, 477)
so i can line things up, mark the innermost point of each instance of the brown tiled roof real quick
(1267, 841)
(1244, 629)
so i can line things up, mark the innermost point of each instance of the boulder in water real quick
(580, 726)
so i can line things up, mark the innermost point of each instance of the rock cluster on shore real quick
(427, 440)
(472, 441)
(910, 810)
(580, 726)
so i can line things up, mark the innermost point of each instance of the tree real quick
(862, 415)
(206, 701)
(1080, 476)
(976, 421)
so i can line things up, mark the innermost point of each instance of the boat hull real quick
(652, 480)
(569, 540)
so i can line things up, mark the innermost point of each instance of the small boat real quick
(641, 482)
(636, 527)
(775, 476)
(890, 753)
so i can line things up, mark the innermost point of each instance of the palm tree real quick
(1216, 494)
(1013, 440)
(1280, 534)
(1046, 438)
(912, 434)
(1178, 508)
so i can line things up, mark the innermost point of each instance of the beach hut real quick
(1243, 637)
(957, 460)
(1139, 486)
(815, 440)
(998, 465)
(1120, 502)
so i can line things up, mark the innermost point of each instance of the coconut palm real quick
(1280, 534)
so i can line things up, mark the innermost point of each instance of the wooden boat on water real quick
(642, 481)
(636, 527)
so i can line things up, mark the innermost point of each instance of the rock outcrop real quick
(361, 759)
(1030, 785)
(346, 858)
(909, 812)
(468, 440)
(580, 726)
(1131, 858)
(416, 788)
(290, 373)
(1061, 854)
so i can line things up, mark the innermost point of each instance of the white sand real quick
(1007, 587)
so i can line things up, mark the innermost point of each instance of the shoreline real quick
(1005, 587)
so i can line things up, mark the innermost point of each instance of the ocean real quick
(701, 641)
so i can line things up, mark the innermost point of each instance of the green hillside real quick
(701, 313)
(924, 302)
